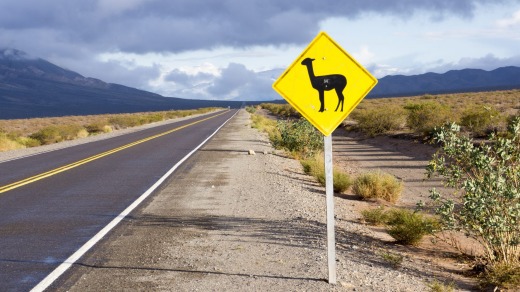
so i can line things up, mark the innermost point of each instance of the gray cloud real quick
(176, 26)
(73, 33)
(238, 82)
(234, 82)
(188, 80)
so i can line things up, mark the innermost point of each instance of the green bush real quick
(378, 185)
(299, 137)
(315, 167)
(376, 216)
(405, 226)
(486, 177)
(312, 166)
(480, 119)
(379, 120)
(408, 227)
(341, 181)
(251, 109)
(424, 117)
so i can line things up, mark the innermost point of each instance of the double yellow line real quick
(40, 176)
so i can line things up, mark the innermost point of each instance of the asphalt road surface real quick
(53, 203)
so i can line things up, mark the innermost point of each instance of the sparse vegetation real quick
(405, 226)
(16, 134)
(395, 260)
(408, 227)
(58, 133)
(315, 167)
(502, 275)
(480, 114)
(251, 109)
(438, 286)
(424, 117)
(376, 216)
(480, 119)
(486, 112)
(379, 120)
(377, 185)
(281, 110)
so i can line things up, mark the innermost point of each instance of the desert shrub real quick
(71, 132)
(281, 110)
(55, 134)
(502, 275)
(7, 144)
(379, 120)
(438, 286)
(480, 119)
(98, 127)
(48, 135)
(125, 121)
(394, 259)
(312, 166)
(28, 142)
(486, 177)
(171, 115)
(378, 185)
(408, 227)
(266, 125)
(251, 109)
(341, 181)
(424, 117)
(376, 216)
(151, 118)
(315, 167)
(299, 137)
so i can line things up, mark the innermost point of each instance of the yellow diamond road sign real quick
(324, 84)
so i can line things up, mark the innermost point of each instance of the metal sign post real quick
(325, 84)
(329, 192)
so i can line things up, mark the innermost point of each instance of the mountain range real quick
(33, 87)
(465, 80)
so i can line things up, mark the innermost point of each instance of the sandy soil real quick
(230, 221)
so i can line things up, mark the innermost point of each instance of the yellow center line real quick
(40, 176)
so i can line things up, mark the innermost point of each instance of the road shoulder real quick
(231, 221)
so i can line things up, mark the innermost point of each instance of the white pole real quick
(329, 190)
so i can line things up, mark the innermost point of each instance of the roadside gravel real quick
(231, 221)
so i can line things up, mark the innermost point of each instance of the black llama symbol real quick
(324, 83)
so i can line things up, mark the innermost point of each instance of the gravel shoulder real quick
(230, 221)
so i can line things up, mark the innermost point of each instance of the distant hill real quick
(453, 81)
(33, 87)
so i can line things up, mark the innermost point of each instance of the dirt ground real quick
(231, 221)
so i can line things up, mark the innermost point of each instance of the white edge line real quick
(54, 275)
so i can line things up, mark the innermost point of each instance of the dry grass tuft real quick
(378, 185)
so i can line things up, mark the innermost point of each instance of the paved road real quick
(47, 218)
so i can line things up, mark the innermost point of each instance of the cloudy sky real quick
(232, 49)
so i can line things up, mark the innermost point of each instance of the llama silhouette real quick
(324, 83)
